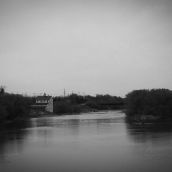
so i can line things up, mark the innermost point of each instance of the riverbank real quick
(76, 103)
(140, 105)
(14, 107)
(149, 105)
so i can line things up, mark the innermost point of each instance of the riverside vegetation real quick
(13, 106)
(76, 103)
(149, 105)
(139, 105)
(17, 107)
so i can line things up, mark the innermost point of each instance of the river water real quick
(90, 142)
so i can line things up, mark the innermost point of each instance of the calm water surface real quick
(100, 141)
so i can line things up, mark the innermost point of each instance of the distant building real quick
(44, 103)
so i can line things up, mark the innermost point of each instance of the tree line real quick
(13, 106)
(78, 103)
(139, 105)
(149, 105)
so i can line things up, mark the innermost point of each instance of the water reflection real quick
(11, 138)
(78, 120)
(102, 142)
(149, 132)
(153, 143)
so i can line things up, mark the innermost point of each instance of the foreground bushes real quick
(149, 104)
(14, 107)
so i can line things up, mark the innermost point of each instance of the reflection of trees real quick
(149, 132)
(71, 124)
(11, 137)
(53, 122)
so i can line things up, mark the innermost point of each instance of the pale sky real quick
(85, 46)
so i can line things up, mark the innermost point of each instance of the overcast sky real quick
(85, 46)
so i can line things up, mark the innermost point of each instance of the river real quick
(89, 142)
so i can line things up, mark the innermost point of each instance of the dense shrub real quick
(155, 102)
(104, 102)
(77, 103)
(14, 107)
(61, 107)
